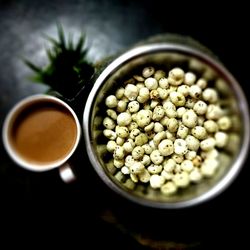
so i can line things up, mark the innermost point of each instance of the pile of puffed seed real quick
(165, 130)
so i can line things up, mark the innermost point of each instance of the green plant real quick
(68, 69)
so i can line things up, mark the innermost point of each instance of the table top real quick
(75, 214)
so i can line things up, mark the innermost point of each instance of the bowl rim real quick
(141, 50)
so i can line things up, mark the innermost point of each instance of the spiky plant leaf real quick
(68, 68)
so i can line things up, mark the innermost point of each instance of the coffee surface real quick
(44, 133)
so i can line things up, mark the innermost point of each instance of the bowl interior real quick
(166, 58)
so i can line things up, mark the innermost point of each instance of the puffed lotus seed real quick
(138, 152)
(180, 111)
(144, 176)
(195, 175)
(166, 147)
(111, 145)
(224, 123)
(181, 179)
(158, 127)
(148, 150)
(199, 132)
(118, 163)
(167, 175)
(112, 114)
(200, 107)
(131, 92)
(202, 83)
(208, 167)
(129, 161)
(156, 181)
(211, 126)
(108, 123)
(155, 169)
(146, 160)
(221, 139)
(210, 95)
(180, 147)
(133, 107)
(214, 112)
(176, 76)
(189, 78)
(189, 119)
(184, 90)
(119, 93)
(123, 119)
(163, 83)
(169, 165)
(159, 74)
(137, 168)
(187, 166)
(163, 93)
(151, 83)
(120, 141)
(122, 132)
(156, 157)
(208, 144)
(169, 188)
(177, 99)
(192, 143)
(110, 134)
(143, 118)
(148, 71)
(158, 113)
(141, 139)
(195, 91)
(121, 106)
(111, 101)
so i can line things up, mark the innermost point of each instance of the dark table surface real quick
(40, 206)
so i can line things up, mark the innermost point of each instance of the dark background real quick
(38, 209)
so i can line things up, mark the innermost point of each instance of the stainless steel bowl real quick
(168, 55)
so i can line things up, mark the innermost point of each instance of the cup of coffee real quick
(41, 133)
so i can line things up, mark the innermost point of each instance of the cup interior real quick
(34, 107)
(166, 57)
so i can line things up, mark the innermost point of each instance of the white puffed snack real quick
(111, 101)
(166, 147)
(156, 157)
(121, 106)
(200, 107)
(155, 169)
(156, 181)
(108, 123)
(168, 188)
(138, 152)
(221, 139)
(148, 71)
(133, 107)
(143, 118)
(123, 119)
(151, 83)
(180, 147)
(181, 179)
(137, 168)
(189, 78)
(131, 92)
(189, 118)
(176, 76)
(120, 141)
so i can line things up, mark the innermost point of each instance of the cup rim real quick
(11, 151)
(141, 50)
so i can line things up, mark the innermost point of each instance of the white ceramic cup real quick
(65, 170)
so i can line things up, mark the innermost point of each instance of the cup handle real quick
(66, 173)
